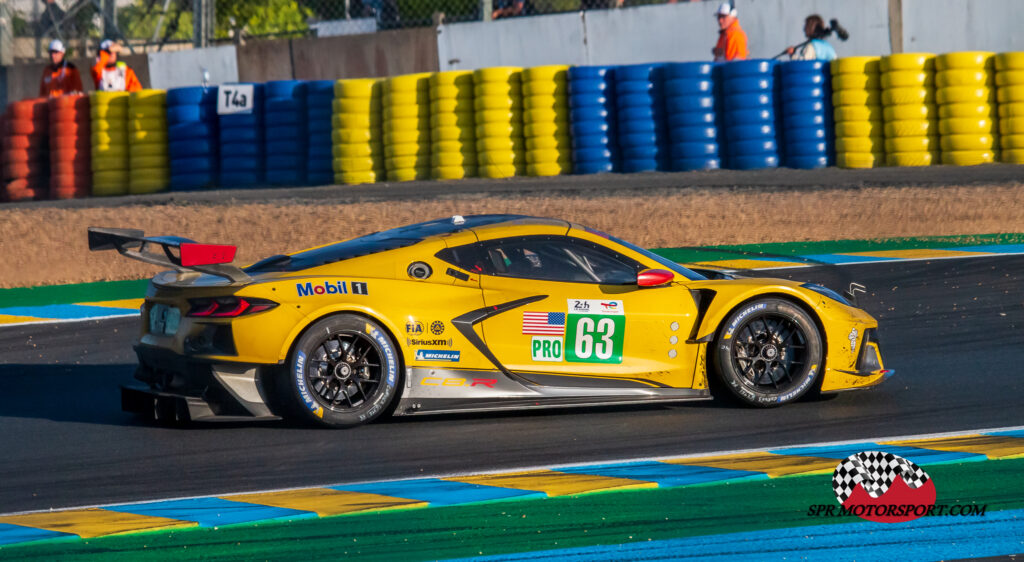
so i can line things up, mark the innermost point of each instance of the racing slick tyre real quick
(769, 352)
(342, 372)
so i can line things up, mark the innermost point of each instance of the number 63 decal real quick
(594, 338)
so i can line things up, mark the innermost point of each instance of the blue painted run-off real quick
(211, 512)
(67, 311)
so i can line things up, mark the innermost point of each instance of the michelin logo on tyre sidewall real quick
(389, 353)
(300, 384)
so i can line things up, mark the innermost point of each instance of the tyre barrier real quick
(406, 112)
(452, 126)
(693, 127)
(751, 137)
(807, 121)
(148, 163)
(1009, 80)
(319, 155)
(285, 138)
(967, 79)
(357, 135)
(546, 120)
(108, 112)
(26, 159)
(642, 123)
(857, 112)
(498, 107)
(240, 145)
(192, 137)
(910, 115)
(592, 119)
(70, 154)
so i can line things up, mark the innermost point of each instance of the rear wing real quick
(179, 253)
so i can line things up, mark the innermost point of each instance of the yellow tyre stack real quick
(1010, 95)
(452, 125)
(909, 111)
(857, 103)
(109, 138)
(966, 94)
(150, 170)
(546, 120)
(407, 127)
(356, 133)
(498, 101)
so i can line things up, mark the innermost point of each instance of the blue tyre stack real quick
(319, 163)
(692, 119)
(643, 127)
(749, 114)
(806, 95)
(592, 119)
(241, 145)
(284, 130)
(192, 137)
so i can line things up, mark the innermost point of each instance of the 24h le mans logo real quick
(883, 487)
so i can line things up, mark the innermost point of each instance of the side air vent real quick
(419, 270)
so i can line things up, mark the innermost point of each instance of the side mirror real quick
(654, 277)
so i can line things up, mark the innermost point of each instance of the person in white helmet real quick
(60, 77)
(110, 74)
(732, 40)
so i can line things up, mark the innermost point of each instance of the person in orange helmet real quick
(110, 74)
(60, 77)
(732, 40)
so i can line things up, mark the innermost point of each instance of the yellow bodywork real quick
(663, 345)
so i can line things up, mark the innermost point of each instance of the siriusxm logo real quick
(329, 288)
(437, 355)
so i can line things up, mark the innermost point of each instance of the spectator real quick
(508, 9)
(60, 77)
(110, 74)
(732, 40)
(815, 48)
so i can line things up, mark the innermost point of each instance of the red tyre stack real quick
(26, 148)
(70, 156)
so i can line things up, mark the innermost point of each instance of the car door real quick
(579, 318)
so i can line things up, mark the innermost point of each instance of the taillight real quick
(227, 307)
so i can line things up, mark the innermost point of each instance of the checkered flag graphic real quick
(876, 471)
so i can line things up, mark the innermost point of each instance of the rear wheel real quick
(769, 353)
(342, 372)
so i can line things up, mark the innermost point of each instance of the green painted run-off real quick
(531, 525)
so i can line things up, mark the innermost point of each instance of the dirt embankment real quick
(44, 246)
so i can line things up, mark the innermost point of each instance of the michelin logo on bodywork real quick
(445, 355)
(330, 288)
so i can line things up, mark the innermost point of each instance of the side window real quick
(557, 258)
(470, 257)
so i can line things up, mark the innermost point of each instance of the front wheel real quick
(769, 352)
(342, 372)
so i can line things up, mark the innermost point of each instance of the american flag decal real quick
(544, 323)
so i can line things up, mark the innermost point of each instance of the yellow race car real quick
(475, 313)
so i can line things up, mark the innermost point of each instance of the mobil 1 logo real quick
(594, 331)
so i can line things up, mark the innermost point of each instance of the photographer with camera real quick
(815, 47)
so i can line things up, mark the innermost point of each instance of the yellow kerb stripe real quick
(326, 502)
(915, 254)
(554, 483)
(94, 522)
(746, 264)
(123, 303)
(769, 463)
(992, 446)
(10, 319)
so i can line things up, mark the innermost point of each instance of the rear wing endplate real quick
(175, 252)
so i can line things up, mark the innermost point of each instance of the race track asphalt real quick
(952, 330)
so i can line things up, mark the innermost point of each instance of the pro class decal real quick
(445, 355)
(330, 288)
(546, 348)
(595, 331)
(300, 384)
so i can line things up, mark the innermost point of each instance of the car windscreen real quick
(673, 266)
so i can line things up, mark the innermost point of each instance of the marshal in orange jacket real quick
(59, 80)
(116, 77)
(732, 44)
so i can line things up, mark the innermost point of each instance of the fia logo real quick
(581, 306)
(414, 328)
